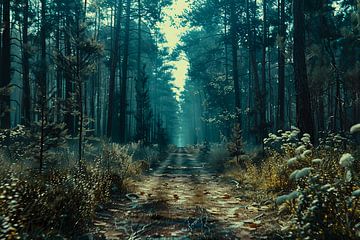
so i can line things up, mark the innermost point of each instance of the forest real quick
(179, 119)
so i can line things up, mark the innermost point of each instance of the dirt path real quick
(183, 199)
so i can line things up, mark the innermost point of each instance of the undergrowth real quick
(318, 186)
(60, 201)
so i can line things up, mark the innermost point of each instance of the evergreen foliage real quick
(143, 108)
(235, 146)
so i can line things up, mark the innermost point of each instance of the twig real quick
(237, 183)
(136, 235)
(259, 216)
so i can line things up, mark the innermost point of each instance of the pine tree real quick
(45, 134)
(79, 67)
(235, 147)
(161, 137)
(143, 108)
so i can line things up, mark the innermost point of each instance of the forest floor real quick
(184, 198)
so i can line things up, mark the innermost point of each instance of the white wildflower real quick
(348, 176)
(292, 161)
(303, 173)
(355, 128)
(292, 135)
(272, 136)
(356, 193)
(305, 139)
(346, 160)
(306, 135)
(326, 186)
(317, 161)
(293, 175)
(306, 153)
(294, 128)
(293, 195)
(300, 149)
(282, 199)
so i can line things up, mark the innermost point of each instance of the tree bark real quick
(281, 66)
(42, 80)
(69, 118)
(235, 70)
(5, 74)
(114, 58)
(304, 113)
(123, 86)
(26, 100)
(263, 75)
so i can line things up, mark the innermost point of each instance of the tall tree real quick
(263, 123)
(143, 108)
(114, 59)
(234, 49)
(26, 98)
(304, 115)
(124, 77)
(281, 65)
(5, 68)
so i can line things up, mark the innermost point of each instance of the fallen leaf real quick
(226, 196)
(254, 225)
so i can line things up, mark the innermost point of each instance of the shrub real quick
(235, 146)
(218, 156)
(325, 198)
(61, 201)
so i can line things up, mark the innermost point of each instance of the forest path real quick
(182, 199)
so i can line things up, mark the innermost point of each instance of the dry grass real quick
(317, 190)
(61, 201)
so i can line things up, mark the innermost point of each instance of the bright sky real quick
(173, 30)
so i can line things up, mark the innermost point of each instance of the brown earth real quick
(186, 199)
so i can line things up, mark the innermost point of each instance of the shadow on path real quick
(183, 198)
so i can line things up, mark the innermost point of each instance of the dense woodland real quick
(278, 63)
(91, 115)
(97, 67)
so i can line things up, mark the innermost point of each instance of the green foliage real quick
(324, 203)
(38, 143)
(235, 146)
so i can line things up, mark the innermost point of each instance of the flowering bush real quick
(325, 199)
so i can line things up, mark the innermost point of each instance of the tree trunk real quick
(226, 44)
(263, 76)
(5, 74)
(253, 66)
(42, 80)
(235, 70)
(139, 41)
(281, 67)
(303, 105)
(69, 119)
(26, 99)
(123, 88)
(114, 58)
